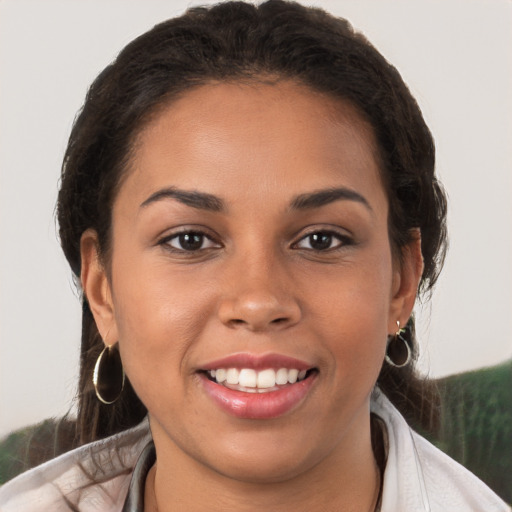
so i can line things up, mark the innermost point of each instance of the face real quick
(250, 246)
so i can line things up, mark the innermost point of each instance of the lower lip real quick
(258, 405)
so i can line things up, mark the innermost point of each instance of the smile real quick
(249, 380)
(258, 387)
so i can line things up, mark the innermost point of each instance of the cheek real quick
(352, 313)
(158, 317)
(357, 330)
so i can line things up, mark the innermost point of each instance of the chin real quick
(263, 460)
(261, 471)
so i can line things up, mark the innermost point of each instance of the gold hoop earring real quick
(108, 375)
(398, 352)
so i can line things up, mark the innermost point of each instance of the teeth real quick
(232, 376)
(247, 378)
(292, 376)
(282, 376)
(267, 378)
(251, 379)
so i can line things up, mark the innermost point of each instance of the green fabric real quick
(476, 424)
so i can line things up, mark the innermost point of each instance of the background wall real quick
(455, 55)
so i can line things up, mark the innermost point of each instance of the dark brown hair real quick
(239, 41)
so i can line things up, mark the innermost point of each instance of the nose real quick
(260, 299)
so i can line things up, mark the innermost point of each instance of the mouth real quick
(249, 380)
(265, 387)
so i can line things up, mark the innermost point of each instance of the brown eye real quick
(190, 241)
(321, 241)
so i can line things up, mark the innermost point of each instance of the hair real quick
(236, 41)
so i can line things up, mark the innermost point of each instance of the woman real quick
(248, 199)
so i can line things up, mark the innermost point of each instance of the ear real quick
(96, 287)
(406, 279)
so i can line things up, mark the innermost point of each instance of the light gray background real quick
(455, 55)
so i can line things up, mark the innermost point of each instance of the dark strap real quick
(135, 499)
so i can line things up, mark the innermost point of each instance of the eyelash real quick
(342, 240)
(166, 241)
(328, 236)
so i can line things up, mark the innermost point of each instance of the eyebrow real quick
(200, 200)
(324, 197)
(205, 201)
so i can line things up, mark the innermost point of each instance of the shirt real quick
(418, 476)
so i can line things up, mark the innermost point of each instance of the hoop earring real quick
(108, 375)
(398, 352)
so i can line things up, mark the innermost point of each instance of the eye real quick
(322, 241)
(189, 241)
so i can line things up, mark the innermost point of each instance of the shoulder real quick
(420, 477)
(67, 481)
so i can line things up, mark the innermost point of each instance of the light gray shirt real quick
(418, 476)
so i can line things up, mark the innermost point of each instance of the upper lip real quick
(257, 362)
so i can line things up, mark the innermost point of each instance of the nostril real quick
(275, 321)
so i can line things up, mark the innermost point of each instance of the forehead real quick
(258, 136)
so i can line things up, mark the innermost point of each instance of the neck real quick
(348, 479)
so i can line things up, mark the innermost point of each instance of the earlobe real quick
(406, 282)
(96, 287)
